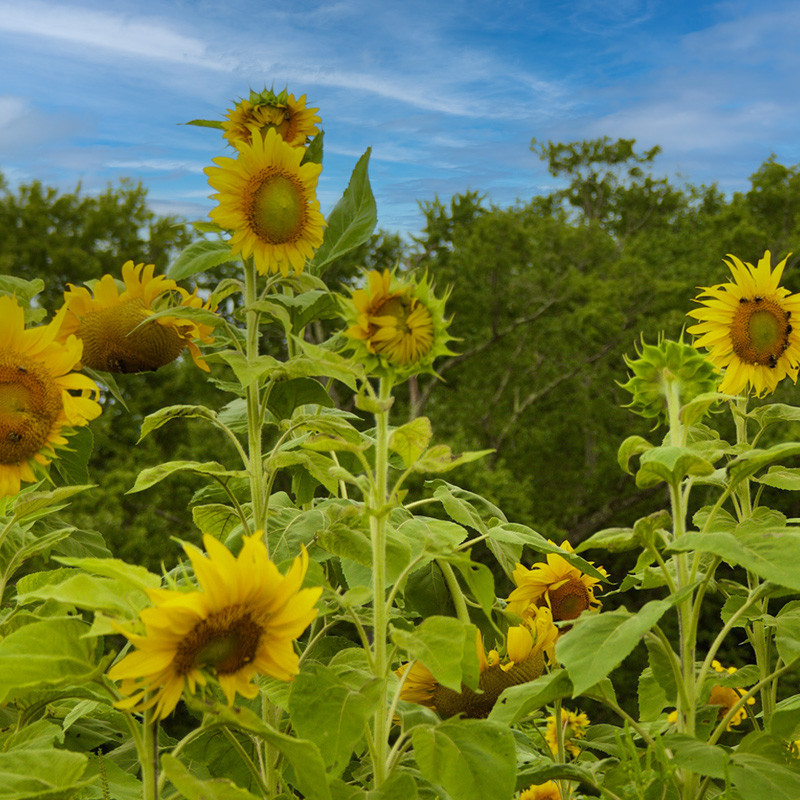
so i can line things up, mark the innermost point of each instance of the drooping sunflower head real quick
(267, 198)
(241, 621)
(40, 396)
(266, 111)
(541, 791)
(397, 325)
(748, 327)
(526, 647)
(109, 322)
(557, 584)
(574, 726)
(726, 697)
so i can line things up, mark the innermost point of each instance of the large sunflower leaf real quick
(352, 220)
(193, 788)
(46, 774)
(198, 257)
(153, 475)
(471, 759)
(757, 777)
(517, 702)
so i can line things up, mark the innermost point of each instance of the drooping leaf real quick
(199, 257)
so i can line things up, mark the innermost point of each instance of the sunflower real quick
(242, 621)
(727, 697)
(398, 324)
(268, 199)
(541, 791)
(557, 584)
(526, 646)
(747, 327)
(574, 727)
(289, 117)
(108, 321)
(39, 395)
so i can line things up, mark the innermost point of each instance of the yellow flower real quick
(242, 621)
(541, 791)
(727, 697)
(108, 321)
(268, 199)
(747, 326)
(526, 646)
(39, 395)
(289, 117)
(574, 726)
(557, 584)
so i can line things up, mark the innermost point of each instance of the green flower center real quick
(278, 208)
(760, 331)
(30, 403)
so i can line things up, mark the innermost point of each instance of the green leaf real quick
(206, 123)
(697, 756)
(352, 220)
(286, 396)
(29, 503)
(310, 776)
(478, 578)
(437, 536)
(757, 778)
(319, 361)
(248, 371)
(154, 421)
(651, 695)
(749, 463)
(614, 540)
(447, 647)
(130, 574)
(46, 774)
(598, 643)
(784, 722)
(774, 556)
(781, 478)
(411, 440)
(195, 789)
(153, 475)
(440, 458)
(774, 412)
(43, 654)
(670, 464)
(73, 458)
(330, 713)
(199, 257)
(215, 518)
(632, 446)
(787, 631)
(517, 702)
(471, 759)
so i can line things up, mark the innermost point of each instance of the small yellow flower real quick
(288, 117)
(750, 327)
(40, 396)
(541, 791)
(526, 646)
(397, 324)
(267, 198)
(727, 697)
(574, 726)
(557, 584)
(108, 322)
(242, 621)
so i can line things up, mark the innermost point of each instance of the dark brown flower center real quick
(113, 343)
(569, 599)
(30, 403)
(225, 641)
(277, 210)
(760, 331)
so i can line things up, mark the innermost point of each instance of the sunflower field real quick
(349, 622)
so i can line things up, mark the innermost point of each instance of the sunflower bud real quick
(658, 368)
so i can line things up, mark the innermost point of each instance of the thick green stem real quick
(149, 756)
(377, 520)
(462, 612)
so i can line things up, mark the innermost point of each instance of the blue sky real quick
(448, 94)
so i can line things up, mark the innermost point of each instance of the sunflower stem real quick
(377, 520)
(149, 755)
(462, 612)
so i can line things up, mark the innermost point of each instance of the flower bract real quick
(574, 726)
(526, 648)
(268, 200)
(397, 324)
(563, 588)
(243, 620)
(264, 111)
(40, 396)
(108, 322)
(748, 327)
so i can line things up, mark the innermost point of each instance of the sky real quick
(447, 93)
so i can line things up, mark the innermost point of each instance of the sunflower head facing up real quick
(397, 325)
(267, 198)
(526, 648)
(107, 322)
(243, 620)
(557, 585)
(574, 726)
(750, 327)
(265, 111)
(40, 396)
(541, 791)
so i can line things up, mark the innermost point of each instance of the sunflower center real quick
(225, 641)
(413, 326)
(277, 209)
(30, 403)
(760, 331)
(279, 119)
(110, 342)
(569, 599)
